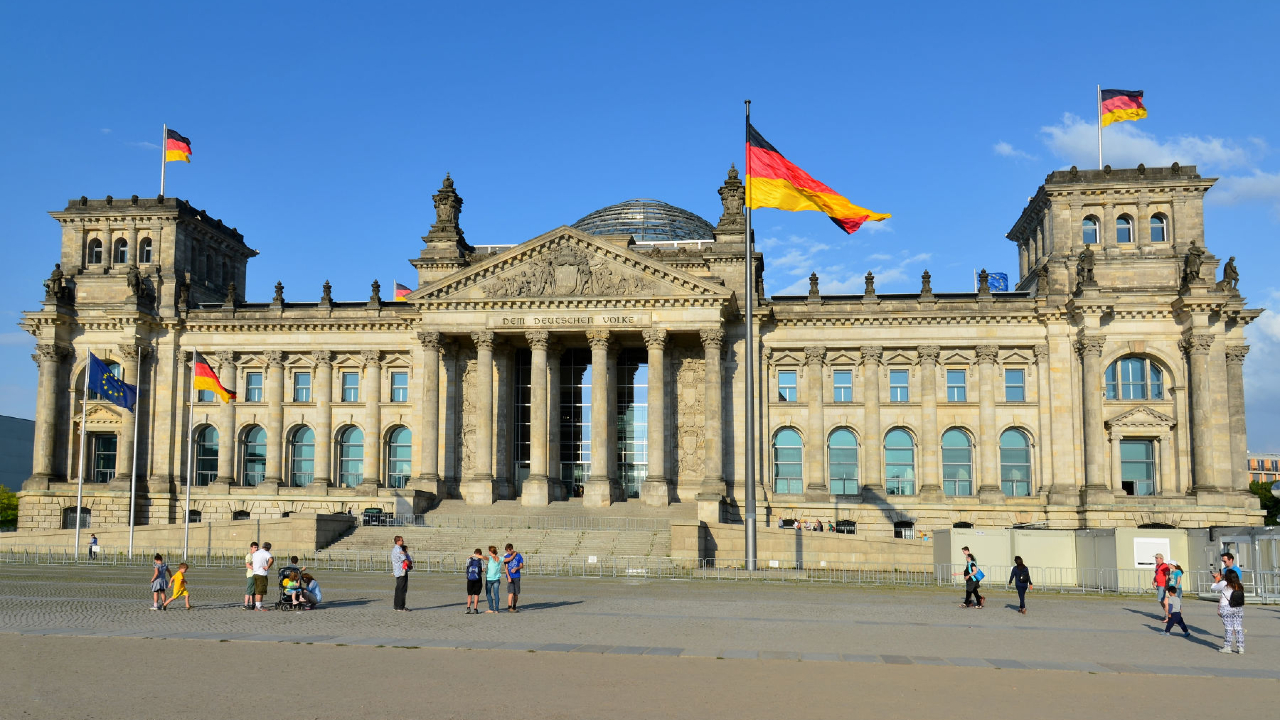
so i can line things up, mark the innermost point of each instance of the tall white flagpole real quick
(1099, 127)
(133, 473)
(191, 460)
(164, 142)
(84, 407)
(749, 516)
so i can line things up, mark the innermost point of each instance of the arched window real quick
(94, 256)
(206, 455)
(399, 449)
(350, 457)
(788, 462)
(116, 370)
(240, 515)
(1134, 378)
(899, 463)
(69, 518)
(122, 252)
(842, 462)
(957, 463)
(302, 457)
(1089, 231)
(1157, 228)
(1015, 463)
(144, 251)
(254, 451)
(1124, 229)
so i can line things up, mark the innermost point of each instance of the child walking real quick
(1173, 608)
(159, 582)
(180, 587)
(475, 581)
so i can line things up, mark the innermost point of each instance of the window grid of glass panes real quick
(788, 463)
(842, 382)
(842, 462)
(1157, 228)
(399, 387)
(399, 452)
(351, 457)
(255, 456)
(302, 457)
(1124, 230)
(253, 387)
(575, 418)
(302, 387)
(1137, 467)
(1089, 231)
(523, 404)
(1134, 379)
(1015, 385)
(899, 463)
(633, 420)
(1015, 464)
(104, 456)
(899, 391)
(786, 386)
(350, 387)
(957, 463)
(206, 456)
(956, 390)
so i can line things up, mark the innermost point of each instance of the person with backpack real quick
(973, 576)
(1230, 609)
(475, 581)
(1020, 577)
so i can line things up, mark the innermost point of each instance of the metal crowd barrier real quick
(511, 522)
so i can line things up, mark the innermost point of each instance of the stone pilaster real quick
(372, 392)
(322, 394)
(1235, 410)
(275, 419)
(989, 491)
(872, 466)
(536, 489)
(713, 486)
(559, 488)
(930, 488)
(428, 477)
(49, 359)
(1044, 402)
(597, 491)
(656, 491)
(479, 487)
(815, 487)
(1198, 346)
(1096, 490)
(226, 421)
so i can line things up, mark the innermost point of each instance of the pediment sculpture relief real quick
(568, 272)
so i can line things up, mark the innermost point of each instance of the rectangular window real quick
(1015, 386)
(843, 382)
(786, 386)
(104, 457)
(1138, 467)
(205, 396)
(350, 387)
(956, 386)
(898, 390)
(302, 387)
(253, 387)
(399, 387)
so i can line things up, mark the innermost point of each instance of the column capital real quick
(538, 339)
(225, 357)
(928, 353)
(130, 351)
(598, 339)
(987, 354)
(322, 358)
(50, 353)
(712, 338)
(1091, 346)
(275, 358)
(483, 339)
(430, 339)
(872, 353)
(655, 338)
(1041, 352)
(371, 357)
(814, 354)
(1236, 353)
(1197, 343)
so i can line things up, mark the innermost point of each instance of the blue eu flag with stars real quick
(110, 387)
(998, 282)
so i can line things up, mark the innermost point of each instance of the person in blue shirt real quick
(514, 563)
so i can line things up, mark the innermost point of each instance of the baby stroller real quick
(284, 602)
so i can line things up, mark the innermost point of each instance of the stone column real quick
(1044, 403)
(597, 491)
(930, 477)
(1198, 346)
(128, 420)
(372, 392)
(1116, 486)
(872, 465)
(1235, 409)
(537, 490)
(275, 418)
(322, 393)
(815, 487)
(49, 359)
(479, 487)
(1142, 229)
(1167, 473)
(655, 491)
(1024, 260)
(1095, 472)
(559, 491)
(133, 245)
(713, 449)
(988, 445)
(226, 420)
(429, 416)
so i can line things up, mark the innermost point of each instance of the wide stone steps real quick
(560, 543)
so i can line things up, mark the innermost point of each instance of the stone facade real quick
(1116, 362)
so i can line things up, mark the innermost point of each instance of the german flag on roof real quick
(1121, 105)
(775, 182)
(176, 147)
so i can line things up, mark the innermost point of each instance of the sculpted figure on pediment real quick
(568, 271)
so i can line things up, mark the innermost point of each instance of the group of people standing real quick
(484, 572)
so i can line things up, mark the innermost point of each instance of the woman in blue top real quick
(972, 580)
(1020, 576)
(493, 579)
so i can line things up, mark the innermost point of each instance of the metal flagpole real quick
(749, 517)
(191, 460)
(133, 473)
(164, 141)
(1099, 127)
(84, 407)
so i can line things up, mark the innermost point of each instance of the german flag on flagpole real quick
(775, 182)
(176, 147)
(402, 291)
(1120, 105)
(207, 379)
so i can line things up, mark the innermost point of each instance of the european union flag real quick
(998, 282)
(109, 386)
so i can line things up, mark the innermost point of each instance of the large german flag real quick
(207, 379)
(1120, 105)
(774, 182)
(176, 147)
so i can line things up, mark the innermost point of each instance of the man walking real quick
(514, 564)
(400, 566)
(1160, 581)
(261, 564)
(248, 576)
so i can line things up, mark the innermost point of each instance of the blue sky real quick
(321, 132)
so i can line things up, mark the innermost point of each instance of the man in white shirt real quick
(261, 564)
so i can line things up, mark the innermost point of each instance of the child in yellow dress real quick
(180, 587)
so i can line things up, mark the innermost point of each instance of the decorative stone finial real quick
(870, 291)
(733, 197)
(926, 285)
(1042, 280)
(375, 295)
(813, 287)
(326, 294)
(448, 207)
(984, 284)
(230, 300)
(279, 296)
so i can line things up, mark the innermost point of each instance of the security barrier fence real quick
(1089, 581)
(513, 522)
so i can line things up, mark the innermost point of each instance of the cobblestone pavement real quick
(734, 621)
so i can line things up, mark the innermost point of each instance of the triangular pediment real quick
(103, 414)
(1141, 417)
(570, 264)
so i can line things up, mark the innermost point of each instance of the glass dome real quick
(648, 221)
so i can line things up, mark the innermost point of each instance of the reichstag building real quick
(603, 362)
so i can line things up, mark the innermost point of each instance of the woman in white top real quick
(1232, 617)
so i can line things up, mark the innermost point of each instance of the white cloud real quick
(1125, 145)
(879, 256)
(1004, 149)
(835, 280)
(105, 131)
(1262, 378)
(798, 254)
(143, 144)
(1258, 187)
(873, 228)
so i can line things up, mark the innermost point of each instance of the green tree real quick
(1270, 502)
(8, 508)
